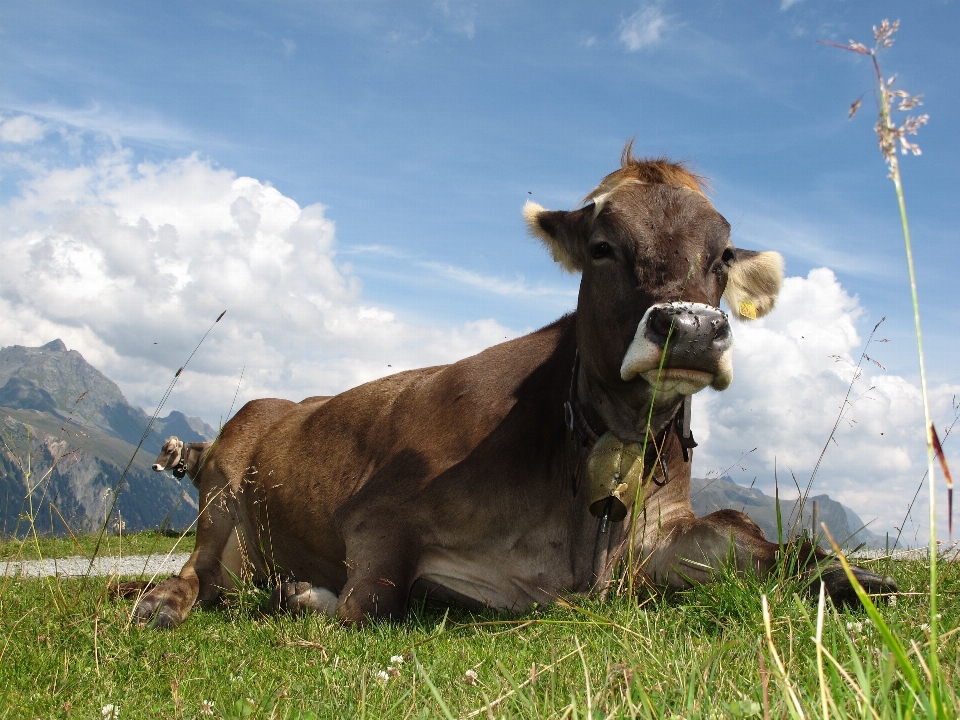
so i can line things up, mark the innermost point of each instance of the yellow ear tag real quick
(748, 309)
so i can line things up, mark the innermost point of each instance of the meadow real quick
(67, 649)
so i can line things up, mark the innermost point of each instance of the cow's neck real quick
(189, 461)
(605, 410)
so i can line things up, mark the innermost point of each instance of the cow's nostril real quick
(722, 332)
(659, 324)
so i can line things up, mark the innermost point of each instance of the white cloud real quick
(21, 129)
(792, 373)
(787, 4)
(289, 47)
(497, 285)
(643, 29)
(131, 265)
(461, 17)
(109, 123)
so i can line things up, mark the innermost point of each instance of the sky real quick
(346, 180)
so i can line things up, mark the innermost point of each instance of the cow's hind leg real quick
(692, 550)
(380, 572)
(201, 579)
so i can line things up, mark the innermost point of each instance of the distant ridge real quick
(78, 432)
(712, 494)
(53, 379)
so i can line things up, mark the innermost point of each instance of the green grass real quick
(151, 542)
(67, 651)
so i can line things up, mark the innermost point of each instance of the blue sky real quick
(422, 128)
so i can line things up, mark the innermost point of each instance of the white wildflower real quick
(396, 659)
(206, 708)
(855, 626)
(110, 712)
(924, 627)
(470, 677)
(383, 676)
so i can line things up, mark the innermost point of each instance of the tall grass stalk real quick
(891, 136)
(143, 438)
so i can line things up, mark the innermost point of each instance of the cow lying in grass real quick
(529, 470)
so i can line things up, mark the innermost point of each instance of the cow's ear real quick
(753, 283)
(565, 233)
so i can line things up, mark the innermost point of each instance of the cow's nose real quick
(688, 325)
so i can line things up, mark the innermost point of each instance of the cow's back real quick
(232, 452)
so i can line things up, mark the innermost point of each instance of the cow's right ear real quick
(564, 232)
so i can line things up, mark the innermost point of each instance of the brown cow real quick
(513, 476)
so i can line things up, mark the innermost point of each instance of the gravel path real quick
(160, 565)
(946, 554)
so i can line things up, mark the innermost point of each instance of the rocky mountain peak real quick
(51, 378)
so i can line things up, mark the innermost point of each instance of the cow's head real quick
(170, 454)
(655, 258)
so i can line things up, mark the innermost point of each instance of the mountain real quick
(53, 379)
(710, 495)
(68, 432)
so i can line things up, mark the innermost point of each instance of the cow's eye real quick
(600, 250)
(729, 256)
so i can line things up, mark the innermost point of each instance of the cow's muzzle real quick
(698, 344)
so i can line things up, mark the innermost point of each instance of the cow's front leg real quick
(691, 550)
(201, 579)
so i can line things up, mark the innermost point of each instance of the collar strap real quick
(683, 429)
(577, 423)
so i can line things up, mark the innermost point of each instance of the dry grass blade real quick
(765, 687)
(938, 450)
(797, 708)
(586, 678)
(857, 690)
(596, 618)
(540, 671)
(821, 605)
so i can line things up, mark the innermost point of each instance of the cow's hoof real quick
(841, 590)
(154, 613)
(315, 599)
(282, 591)
(129, 589)
(296, 597)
